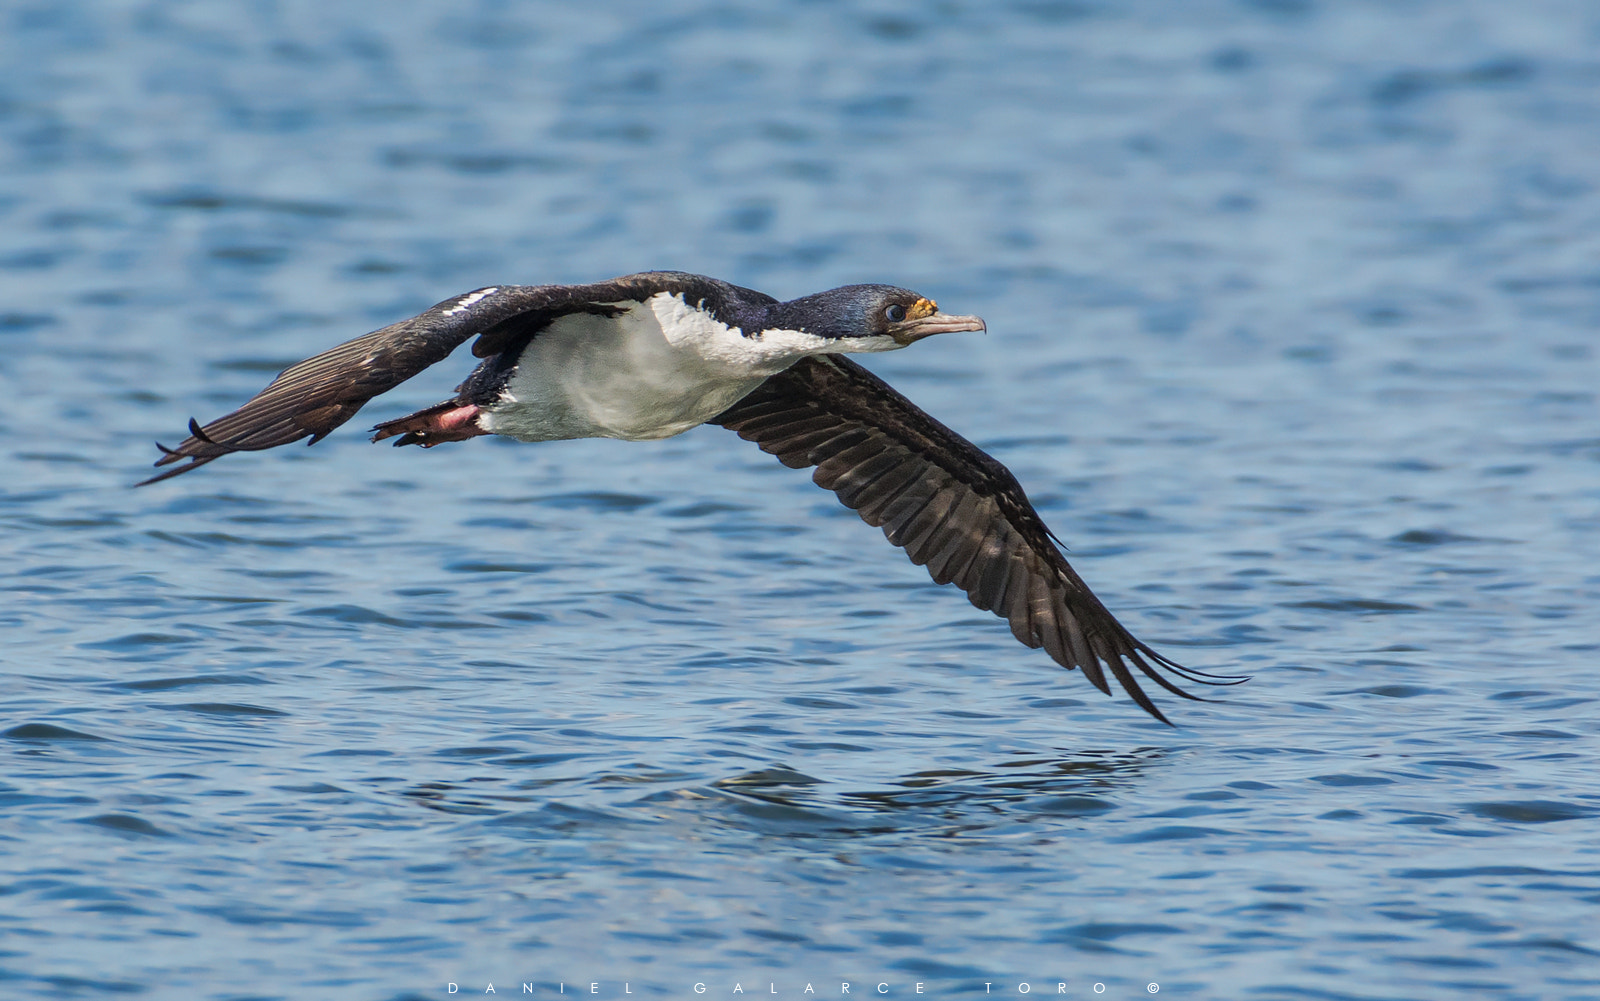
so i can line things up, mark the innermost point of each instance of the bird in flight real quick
(652, 355)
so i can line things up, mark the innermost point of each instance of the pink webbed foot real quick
(449, 421)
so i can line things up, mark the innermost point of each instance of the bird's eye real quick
(895, 313)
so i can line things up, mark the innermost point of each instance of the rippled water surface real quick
(1292, 318)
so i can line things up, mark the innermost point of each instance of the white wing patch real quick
(466, 302)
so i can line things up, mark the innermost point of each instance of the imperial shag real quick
(652, 355)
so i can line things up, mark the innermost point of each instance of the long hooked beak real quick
(909, 331)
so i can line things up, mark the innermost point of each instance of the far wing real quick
(313, 397)
(952, 507)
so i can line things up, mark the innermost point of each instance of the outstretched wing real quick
(311, 398)
(952, 507)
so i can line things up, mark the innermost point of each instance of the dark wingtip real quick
(1096, 676)
(194, 463)
(1146, 703)
(1189, 673)
(199, 432)
(1129, 684)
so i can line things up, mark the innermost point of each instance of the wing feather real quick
(312, 397)
(952, 508)
(853, 484)
(876, 501)
(960, 544)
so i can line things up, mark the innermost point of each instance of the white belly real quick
(654, 371)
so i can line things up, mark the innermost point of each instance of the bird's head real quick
(867, 317)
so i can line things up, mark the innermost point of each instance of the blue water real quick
(1293, 310)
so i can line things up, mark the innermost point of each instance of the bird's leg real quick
(448, 421)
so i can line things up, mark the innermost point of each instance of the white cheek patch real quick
(466, 302)
(802, 344)
(795, 342)
(862, 345)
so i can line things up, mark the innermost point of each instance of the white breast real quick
(655, 370)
